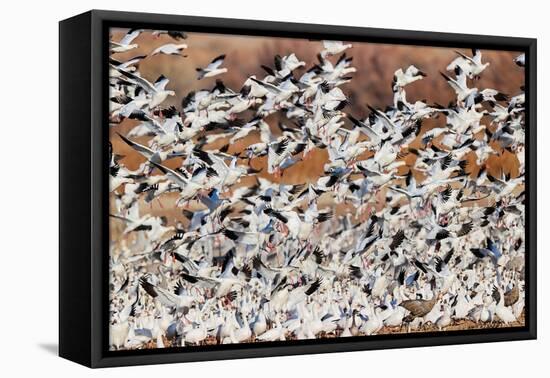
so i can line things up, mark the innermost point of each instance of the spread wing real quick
(172, 175)
(216, 62)
(130, 36)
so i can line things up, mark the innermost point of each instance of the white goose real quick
(459, 84)
(125, 44)
(410, 75)
(334, 48)
(273, 334)
(213, 68)
(170, 49)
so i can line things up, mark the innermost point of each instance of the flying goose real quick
(520, 60)
(167, 297)
(472, 66)
(157, 90)
(175, 34)
(459, 84)
(213, 68)
(170, 49)
(334, 48)
(125, 44)
(410, 75)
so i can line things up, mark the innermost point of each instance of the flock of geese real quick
(407, 229)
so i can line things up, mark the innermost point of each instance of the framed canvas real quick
(234, 188)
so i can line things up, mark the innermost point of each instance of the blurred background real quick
(375, 64)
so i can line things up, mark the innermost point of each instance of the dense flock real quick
(407, 229)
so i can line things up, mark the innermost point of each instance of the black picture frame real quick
(83, 197)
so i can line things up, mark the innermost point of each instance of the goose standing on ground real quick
(472, 66)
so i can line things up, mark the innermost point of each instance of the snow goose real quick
(281, 92)
(170, 49)
(213, 68)
(116, 180)
(130, 65)
(472, 66)
(410, 75)
(177, 35)
(459, 84)
(444, 319)
(166, 297)
(301, 293)
(374, 323)
(259, 326)
(520, 60)
(284, 65)
(151, 155)
(334, 48)
(118, 334)
(243, 332)
(189, 188)
(393, 316)
(125, 43)
(222, 286)
(157, 90)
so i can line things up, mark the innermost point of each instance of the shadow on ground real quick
(51, 348)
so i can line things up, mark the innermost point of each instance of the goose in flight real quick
(189, 188)
(281, 92)
(520, 60)
(157, 90)
(221, 286)
(492, 251)
(472, 66)
(174, 34)
(283, 66)
(213, 69)
(155, 157)
(459, 84)
(167, 297)
(130, 65)
(301, 293)
(410, 75)
(334, 48)
(170, 49)
(125, 44)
